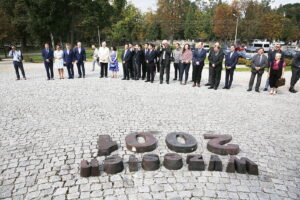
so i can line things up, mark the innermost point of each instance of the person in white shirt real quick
(17, 61)
(103, 59)
(59, 62)
(95, 57)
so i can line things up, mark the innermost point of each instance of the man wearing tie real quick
(150, 57)
(231, 60)
(68, 57)
(80, 58)
(48, 55)
(144, 64)
(199, 55)
(258, 64)
(165, 59)
(126, 59)
(215, 58)
(17, 61)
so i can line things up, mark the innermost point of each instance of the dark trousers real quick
(176, 69)
(295, 76)
(258, 81)
(130, 67)
(125, 70)
(215, 76)
(136, 70)
(165, 66)
(210, 71)
(144, 70)
(158, 66)
(81, 69)
(229, 77)
(274, 76)
(103, 71)
(197, 73)
(70, 68)
(49, 69)
(184, 68)
(17, 66)
(150, 71)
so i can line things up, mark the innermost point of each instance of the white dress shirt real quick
(16, 55)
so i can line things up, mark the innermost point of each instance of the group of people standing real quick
(143, 63)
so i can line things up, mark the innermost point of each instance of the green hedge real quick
(243, 61)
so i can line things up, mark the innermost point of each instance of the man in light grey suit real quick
(258, 64)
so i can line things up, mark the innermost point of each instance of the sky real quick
(144, 5)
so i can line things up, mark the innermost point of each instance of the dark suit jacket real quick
(68, 58)
(256, 62)
(138, 56)
(48, 55)
(127, 57)
(168, 54)
(272, 54)
(296, 60)
(79, 57)
(199, 56)
(231, 61)
(150, 56)
(216, 59)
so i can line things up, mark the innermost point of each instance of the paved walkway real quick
(48, 127)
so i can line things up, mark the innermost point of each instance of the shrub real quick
(243, 61)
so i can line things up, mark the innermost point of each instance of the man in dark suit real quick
(231, 61)
(210, 69)
(126, 59)
(80, 58)
(165, 60)
(131, 70)
(150, 58)
(295, 70)
(68, 57)
(258, 64)
(144, 65)
(215, 58)
(137, 62)
(199, 55)
(48, 55)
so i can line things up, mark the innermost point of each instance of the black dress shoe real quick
(160, 82)
(266, 89)
(147, 81)
(122, 78)
(167, 82)
(152, 81)
(79, 76)
(18, 79)
(292, 90)
(24, 78)
(257, 90)
(215, 88)
(207, 84)
(101, 76)
(211, 87)
(127, 79)
(249, 90)
(175, 79)
(225, 87)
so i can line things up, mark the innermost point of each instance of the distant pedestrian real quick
(59, 62)
(295, 70)
(17, 61)
(48, 56)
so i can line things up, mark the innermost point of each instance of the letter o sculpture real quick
(190, 144)
(133, 145)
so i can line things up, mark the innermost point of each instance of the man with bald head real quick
(165, 60)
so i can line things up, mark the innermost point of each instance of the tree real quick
(172, 14)
(273, 25)
(224, 22)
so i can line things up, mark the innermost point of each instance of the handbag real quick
(281, 82)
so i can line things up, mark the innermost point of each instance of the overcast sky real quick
(144, 5)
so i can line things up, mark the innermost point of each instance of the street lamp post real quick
(236, 27)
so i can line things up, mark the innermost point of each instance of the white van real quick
(260, 44)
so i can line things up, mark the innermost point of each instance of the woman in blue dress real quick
(114, 65)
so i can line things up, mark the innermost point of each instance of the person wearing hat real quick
(295, 70)
(165, 59)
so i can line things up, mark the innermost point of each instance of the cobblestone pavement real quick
(48, 127)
